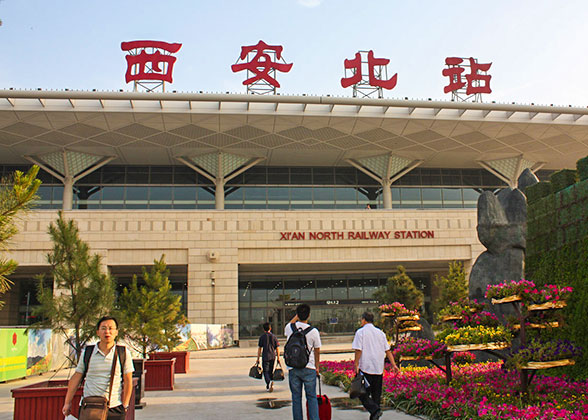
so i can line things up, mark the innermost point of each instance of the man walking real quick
(371, 348)
(299, 331)
(268, 349)
(97, 373)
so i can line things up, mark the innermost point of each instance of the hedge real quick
(557, 250)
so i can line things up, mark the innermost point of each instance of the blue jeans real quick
(306, 377)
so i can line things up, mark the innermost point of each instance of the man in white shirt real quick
(307, 376)
(98, 373)
(371, 349)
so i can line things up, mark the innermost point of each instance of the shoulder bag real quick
(96, 407)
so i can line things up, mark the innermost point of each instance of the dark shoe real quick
(376, 415)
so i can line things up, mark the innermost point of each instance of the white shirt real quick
(98, 376)
(373, 345)
(313, 341)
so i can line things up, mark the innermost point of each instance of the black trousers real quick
(116, 413)
(371, 401)
(268, 370)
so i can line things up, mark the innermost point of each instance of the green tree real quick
(82, 293)
(400, 288)
(17, 195)
(150, 312)
(452, 288)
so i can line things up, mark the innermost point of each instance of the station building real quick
(263, 202)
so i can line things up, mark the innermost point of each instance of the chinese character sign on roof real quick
(261, 62)
(365, 64)
(476, 81)
(150, 63)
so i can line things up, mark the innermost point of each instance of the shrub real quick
(562, 179)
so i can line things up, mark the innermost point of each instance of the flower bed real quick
(478, 392)
(418, 348)
(463, 357)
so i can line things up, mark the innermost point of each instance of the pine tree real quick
(400, 288)
(81, 292)
(17, 194)
(150, 313)
(452, 288)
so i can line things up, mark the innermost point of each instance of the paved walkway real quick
(218, 388)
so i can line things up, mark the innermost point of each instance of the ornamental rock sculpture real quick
(502, 227)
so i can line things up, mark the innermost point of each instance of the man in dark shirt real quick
(268, 349)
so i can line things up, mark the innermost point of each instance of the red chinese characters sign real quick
(476, 82)
(154, 65)
(264, 64)
(355, 66)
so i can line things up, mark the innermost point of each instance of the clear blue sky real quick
(538, 48)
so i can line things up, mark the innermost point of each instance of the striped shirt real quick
(98, 376)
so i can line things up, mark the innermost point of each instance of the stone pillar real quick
(219, 194)
(387, 193)
(68, 183)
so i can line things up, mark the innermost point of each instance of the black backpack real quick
(122, 358)
(296, 352)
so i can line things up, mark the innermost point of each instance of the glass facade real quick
(265, 187)
(337, 300)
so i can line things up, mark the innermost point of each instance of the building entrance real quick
(337, 300)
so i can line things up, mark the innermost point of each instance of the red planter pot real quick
(159, 375)
(182, 359)
(44, 401)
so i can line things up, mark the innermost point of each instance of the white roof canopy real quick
(156, 128)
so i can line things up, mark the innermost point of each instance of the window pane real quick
(345, 176)
(161, 177)
(277, 195)
(278, 175)
(470, 197)
(301, 176)
(184, 175)
(410, 198)
(255, 176)
(323, 176)
(346, 195)
(431, 198)
(184, 195)
(324, 196)
(205, 198)
(112, 193)
(137, 194)
(452, 198)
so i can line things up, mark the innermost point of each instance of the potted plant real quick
(544, 354)
(475, 338)
(508, 291)
(457, 310)
(412, 348)
(550, 296)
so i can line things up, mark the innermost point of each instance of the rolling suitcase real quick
(324, 404)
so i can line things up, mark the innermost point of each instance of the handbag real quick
(96, 407)
(256, 372)
(279, 372)
(358, 386)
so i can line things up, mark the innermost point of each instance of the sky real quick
(537, 48)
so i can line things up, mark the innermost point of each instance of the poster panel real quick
(39, 356)
(13, 353)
